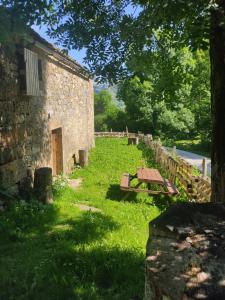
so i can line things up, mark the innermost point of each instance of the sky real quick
(76, 55)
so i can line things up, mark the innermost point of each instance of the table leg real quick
(126, 196)
(128, 193)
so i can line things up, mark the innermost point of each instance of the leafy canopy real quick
(107, 114)
(113, 31)
(169, 92)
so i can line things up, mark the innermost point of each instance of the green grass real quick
(59, 252)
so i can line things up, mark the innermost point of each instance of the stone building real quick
(46, 110)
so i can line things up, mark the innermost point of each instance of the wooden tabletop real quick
(149, 176)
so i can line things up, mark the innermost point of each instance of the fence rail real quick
(197, 188)
(114, 134)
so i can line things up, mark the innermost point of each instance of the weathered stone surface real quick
(26, 185)
(75, 183)
(43, 184)
(26, 122)
(84, 207)
(83, 157)
(186, 253)
(12, 172)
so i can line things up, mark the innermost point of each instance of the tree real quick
(136, 95)
(112, 36)
(107, 114)
(200, 96)
(168, 93)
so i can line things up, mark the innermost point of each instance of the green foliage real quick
(11, 26)
(196, 146)
(60, 182)
(170, 93)
(179, 123)
(114, 31)
(60, 252)
(107, 114)
(15, 223)
(136, 96)
(100, 123)
(104, 103)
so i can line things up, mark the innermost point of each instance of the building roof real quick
(60, 55)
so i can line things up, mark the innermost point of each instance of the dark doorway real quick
(57, 151)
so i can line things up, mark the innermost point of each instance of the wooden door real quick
(57, 152)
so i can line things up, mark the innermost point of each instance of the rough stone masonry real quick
(186, 253)
(46, 100)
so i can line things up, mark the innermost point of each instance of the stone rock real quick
(83, 207)
(75, 183)
(26, 123)
(43, 185)
(83, 157)
(186, 253)
(26, 186)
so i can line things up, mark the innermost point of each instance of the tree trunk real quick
(217, 56)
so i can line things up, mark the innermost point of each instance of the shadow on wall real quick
(65, 259)
(24, 123)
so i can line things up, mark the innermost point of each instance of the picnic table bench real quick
(151, 177)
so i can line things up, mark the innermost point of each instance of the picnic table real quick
(150, 177)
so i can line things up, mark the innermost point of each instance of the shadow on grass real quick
(161, 202)
(22, 219)
(115, 193)
(51, 256)
(100, 273)
(89, 227)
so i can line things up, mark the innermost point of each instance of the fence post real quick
(43, 184)
(149, 136)
(83, 157)
(174, 151)
(204, 167)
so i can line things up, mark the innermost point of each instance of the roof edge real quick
(66, 59)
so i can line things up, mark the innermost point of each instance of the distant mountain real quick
(99, 87)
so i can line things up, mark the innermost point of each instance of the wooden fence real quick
(197, 188)
(114, 134)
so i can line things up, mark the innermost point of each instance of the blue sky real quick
(78, 55)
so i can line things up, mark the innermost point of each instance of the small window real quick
(22, 72)
(40, 69)
(32, 77)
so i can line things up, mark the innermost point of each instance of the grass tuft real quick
(61, 252)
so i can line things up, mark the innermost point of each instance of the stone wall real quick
(26, 122)
(13, 113)
(186, 253)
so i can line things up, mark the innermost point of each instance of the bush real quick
(60, 182)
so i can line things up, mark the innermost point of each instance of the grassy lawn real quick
(60, 252)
